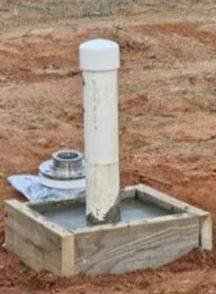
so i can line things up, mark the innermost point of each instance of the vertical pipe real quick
(99, 61)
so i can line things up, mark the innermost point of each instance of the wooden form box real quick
(111, 248)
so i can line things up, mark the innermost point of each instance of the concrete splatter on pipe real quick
(99, 61)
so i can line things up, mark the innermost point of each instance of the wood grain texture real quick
(37, 242)
(67, 256)
(206, 234)
(135, 247)
(109, 248)
(149, 194)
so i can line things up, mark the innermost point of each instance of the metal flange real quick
(66, 170)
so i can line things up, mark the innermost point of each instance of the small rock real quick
(44, 142)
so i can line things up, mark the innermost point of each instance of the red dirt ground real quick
(167, 87)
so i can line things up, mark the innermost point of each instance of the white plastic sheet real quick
(33, 190)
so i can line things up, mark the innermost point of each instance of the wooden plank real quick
(53, 205)
(147, 199)
(12, 207)
(36, 241)
(68, 256)
(134, 247)
(128, 192)
(147, 193)
(159, 197)
(206, 238)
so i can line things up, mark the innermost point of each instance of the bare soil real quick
(167, 102)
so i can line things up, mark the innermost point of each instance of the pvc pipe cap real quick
(99, 55)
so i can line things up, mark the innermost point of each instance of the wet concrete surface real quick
(72, 215)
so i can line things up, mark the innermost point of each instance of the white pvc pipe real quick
(99, 61)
